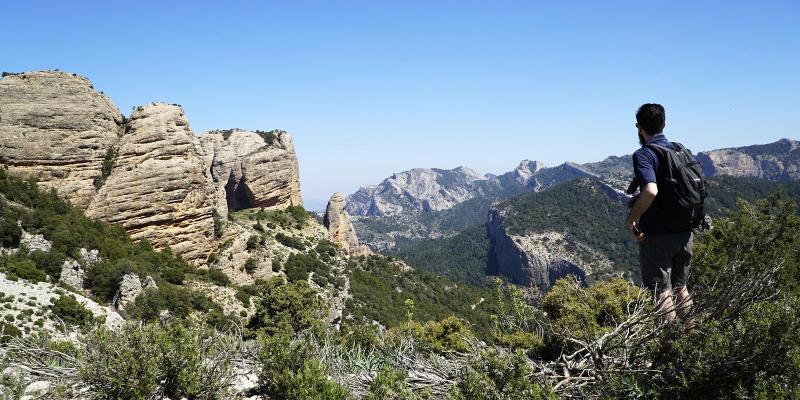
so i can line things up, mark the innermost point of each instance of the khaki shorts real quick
(665, 260)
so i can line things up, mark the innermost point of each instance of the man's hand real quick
(631, 225)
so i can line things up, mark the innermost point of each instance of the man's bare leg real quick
(664, 304)
(684, 307)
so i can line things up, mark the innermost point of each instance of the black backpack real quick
(682, 188)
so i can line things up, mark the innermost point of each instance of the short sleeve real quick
(644, 167)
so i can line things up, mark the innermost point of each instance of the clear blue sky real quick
(375, 87)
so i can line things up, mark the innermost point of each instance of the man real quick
(664, 254)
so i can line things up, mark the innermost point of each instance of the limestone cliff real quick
(340, 228)
(539, 259)
(252, 169)
(778, 161)
(157, 188)
(149, 173)
(56, 127)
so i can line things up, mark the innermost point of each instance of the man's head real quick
(650, 119)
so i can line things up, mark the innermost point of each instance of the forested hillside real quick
(594, 217)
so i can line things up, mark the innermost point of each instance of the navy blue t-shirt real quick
(645, 165)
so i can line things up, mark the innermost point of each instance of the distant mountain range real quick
(433, 189)
(535, 224)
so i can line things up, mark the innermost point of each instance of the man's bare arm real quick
(643, 202)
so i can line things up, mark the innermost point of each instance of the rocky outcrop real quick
(149, 173)
(56, 127)
(779, 161)
(252, 169)
(538, 259)
(419, 189)
(340, 228)
(129, 289)
(158, 189)
(72, 275)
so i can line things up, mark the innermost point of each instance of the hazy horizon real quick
(370, 89)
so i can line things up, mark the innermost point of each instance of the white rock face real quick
(419, 189)
(252, 169)
(72, 274)
(157, 188)
(340, 229)
(56, 127)
(35, 242)
(38, 296)
(779, 161)
(129, 289)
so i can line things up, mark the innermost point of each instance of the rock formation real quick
(129, 289)
(56, 127)
(340, 229)
(539, 259)
(72, 274)
(252, 169)
(779, 161)
(157, 188)
(149, 173)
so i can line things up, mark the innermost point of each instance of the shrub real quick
(10, 233)
(495, 376)
(218, 224)
(390, 384)
(286, 307)
(299, 266)
(289, 371)
(218, 277)
(585, 312)
(449, 334)
(177, 300)
(22, 268)
(72, 312)
(142, 360)
(252, 242)
(8, 331)
(50, 261)
(250, 265)
(290, 241)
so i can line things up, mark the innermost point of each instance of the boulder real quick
(72, 274)
(129, 289)
(157, 188)
(56, 127)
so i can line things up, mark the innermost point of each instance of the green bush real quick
(250, 265)
(298, 266)
(252, 242)
(756, 356)
(8, 331)
(10, 233)
(290, 241)
(449, 334)
(177, 300)
(286, 307)
(498, 376)
(218, 277)
(72, 312)
(390, 384)
(22, 268)
(585, 312)
(290, 371)
(142, 361)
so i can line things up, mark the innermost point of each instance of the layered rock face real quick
(157, 188)
(779, 161)
(56, 127)
(252, 169)
(340, 229)
(149, 173)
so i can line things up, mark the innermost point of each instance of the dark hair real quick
(651, 117)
